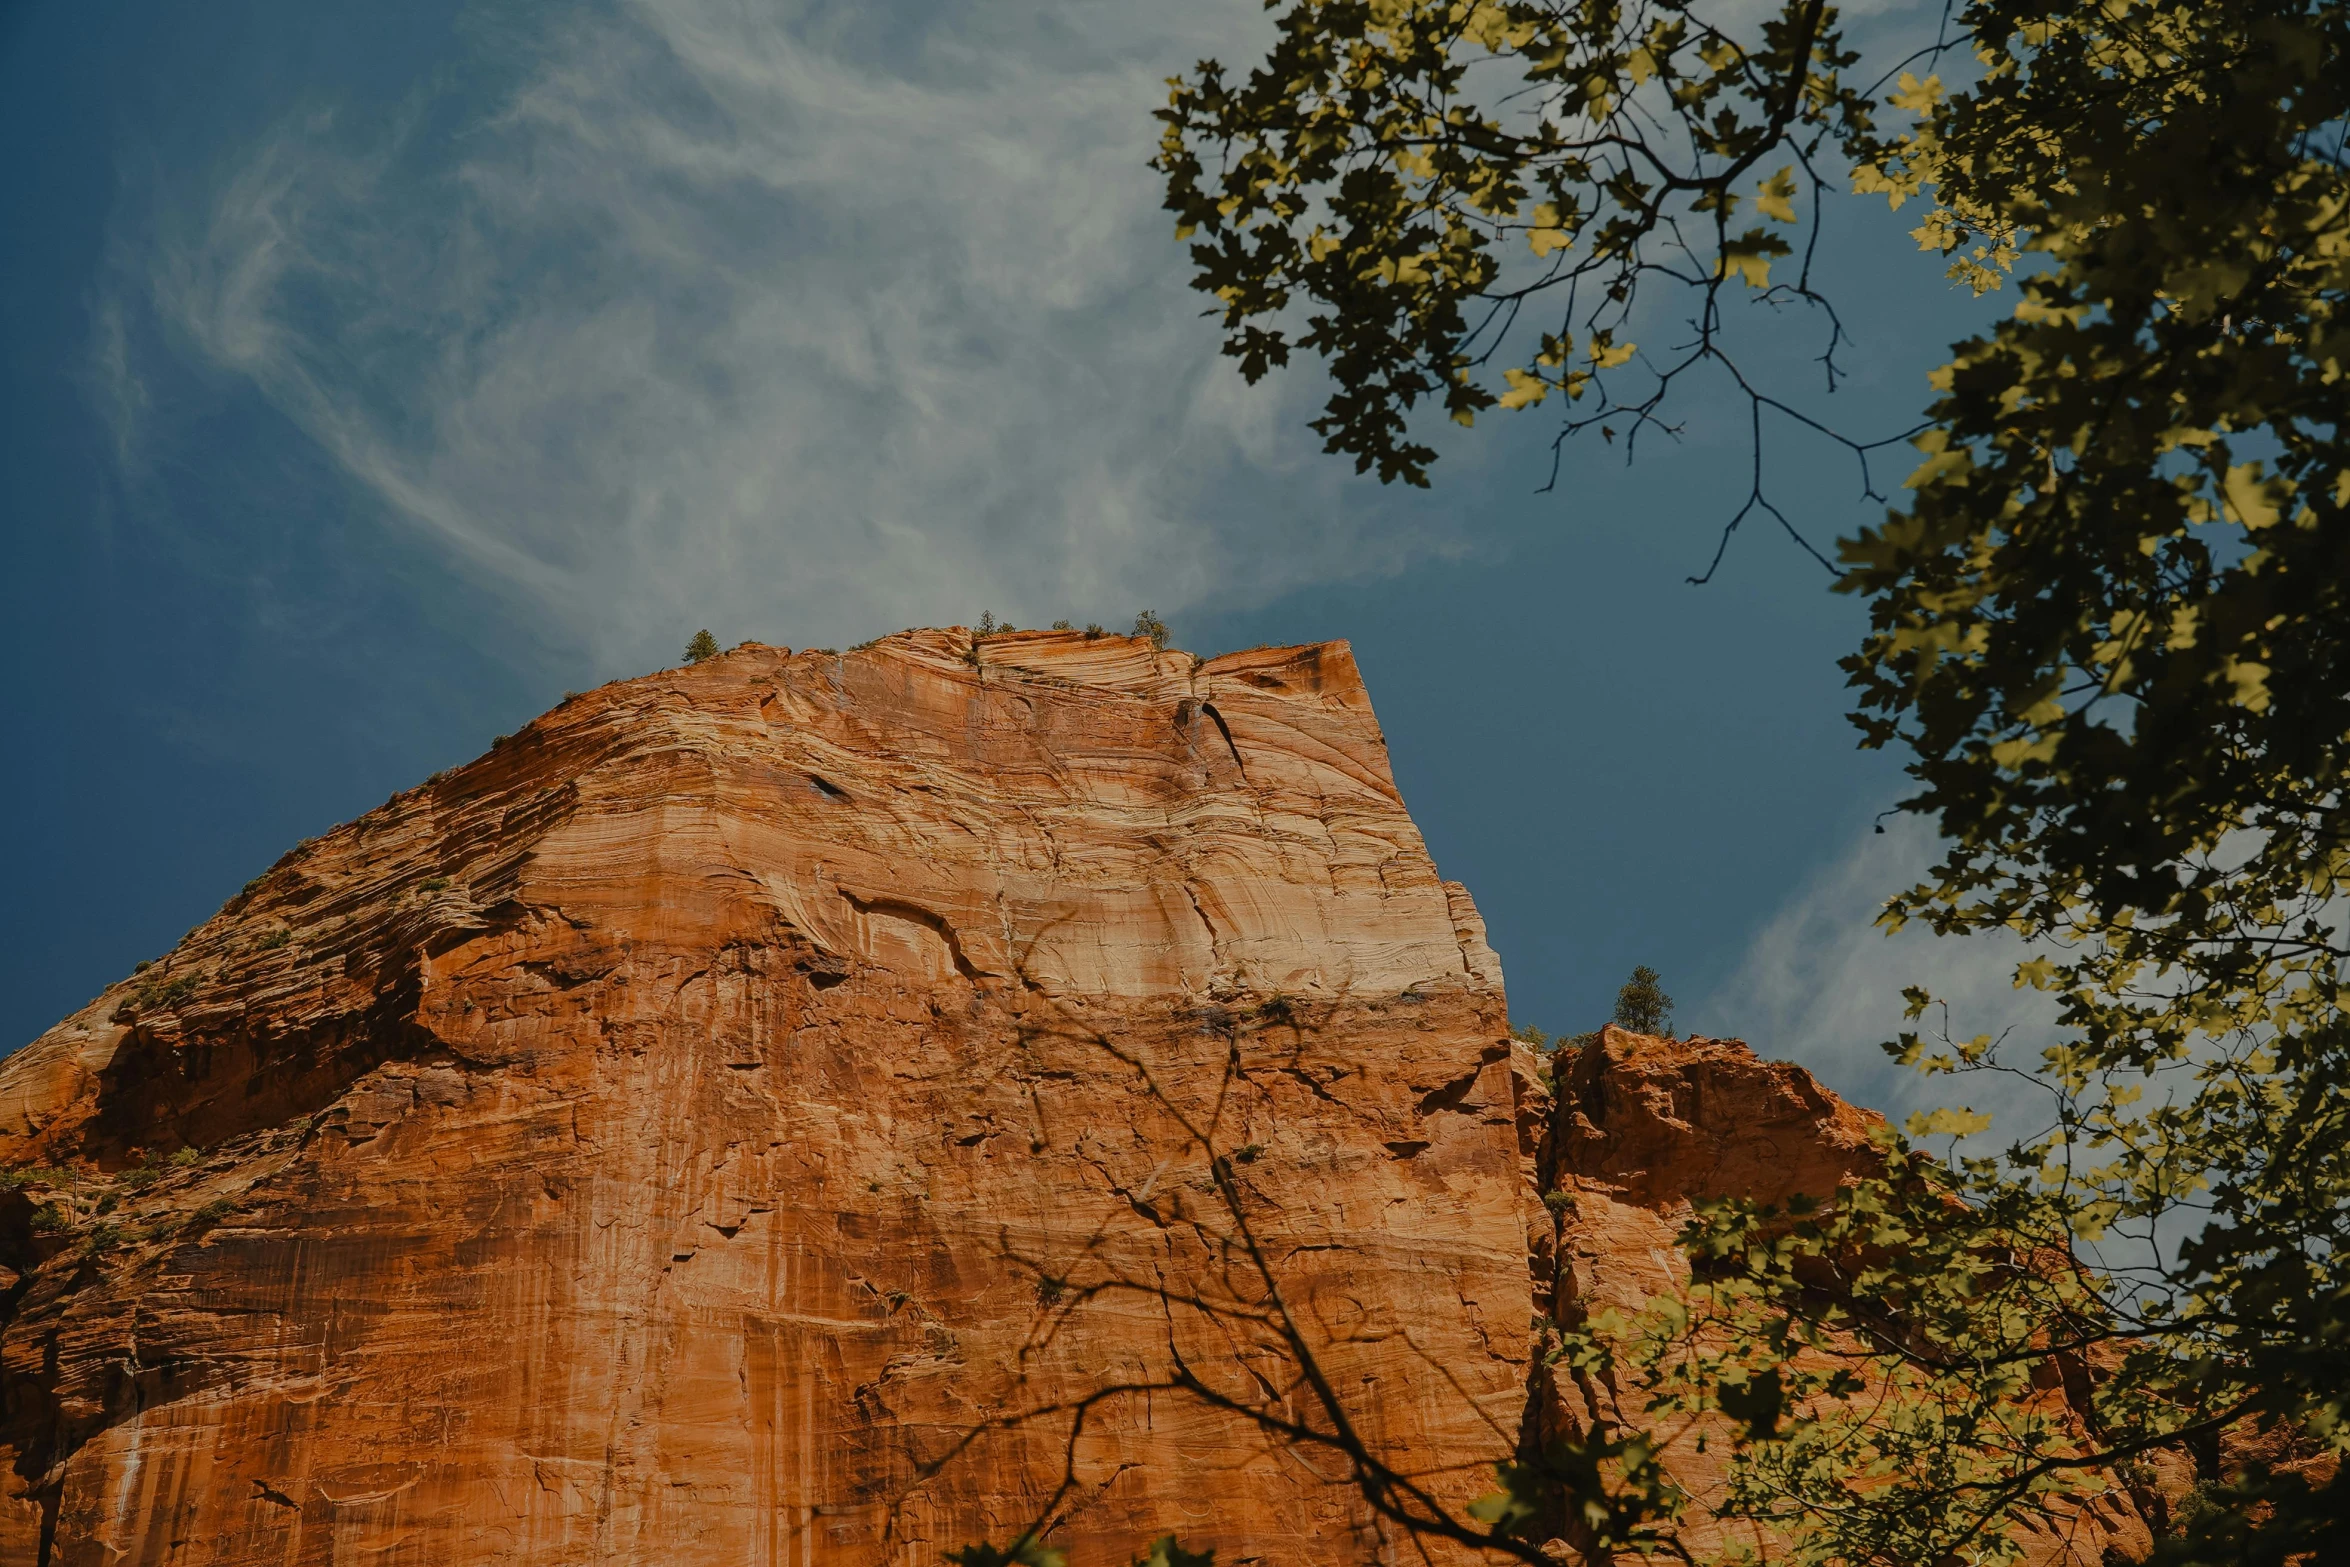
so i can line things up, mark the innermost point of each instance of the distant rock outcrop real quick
(1642, 1129)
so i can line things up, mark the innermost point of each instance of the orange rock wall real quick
(673, 1138)
(1635, 1131)
(761, 1114)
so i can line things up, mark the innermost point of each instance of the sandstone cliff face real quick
(689, 1132)
(803, 1109)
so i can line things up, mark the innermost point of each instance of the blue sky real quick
(375, 374)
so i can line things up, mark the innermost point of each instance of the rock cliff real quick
(826, 1108)
(744, 1118)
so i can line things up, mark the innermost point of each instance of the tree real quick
(2109, 632)
(702, 646)
(2107, 627)
(1432, 238)
(1642, 1005)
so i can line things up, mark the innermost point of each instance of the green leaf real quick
(1525, 391)
(1946, 1122)
(1026, 1551)
(1165, 1552)
(1756, 1402)
(1516, 1504)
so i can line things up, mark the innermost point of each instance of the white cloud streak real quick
(798, 322)
(1821, 984)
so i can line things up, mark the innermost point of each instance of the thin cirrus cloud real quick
(1821, 983)
(796, 321)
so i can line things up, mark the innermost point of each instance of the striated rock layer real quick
(803, 1109)
(681, 1136)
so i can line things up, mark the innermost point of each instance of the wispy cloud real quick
(1820, 983)
(794, 320)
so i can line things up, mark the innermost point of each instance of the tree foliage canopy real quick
(2110, 631)
(2107, 626)
(1642, 1005)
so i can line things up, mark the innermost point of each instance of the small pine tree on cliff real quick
(702, 646)
(1642, 1005)
(1148, 624)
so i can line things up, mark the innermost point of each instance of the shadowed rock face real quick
(675, 1137)
(1630, 1133)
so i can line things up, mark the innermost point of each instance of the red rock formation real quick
(665, 1138)
(698, 1130)
(1642, 1128)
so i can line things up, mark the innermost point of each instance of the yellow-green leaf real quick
(2252, 500)
(1916, 96)
(1948, 1123)
(1525, 390)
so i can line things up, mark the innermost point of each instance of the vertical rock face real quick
(739, 1118)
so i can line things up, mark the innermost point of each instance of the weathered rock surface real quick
(675, 1138)
(768, 1114)
(1643, 1128)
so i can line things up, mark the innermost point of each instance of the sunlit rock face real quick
(736, 1119)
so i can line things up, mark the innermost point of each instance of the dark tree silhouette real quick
(1642, 1005)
